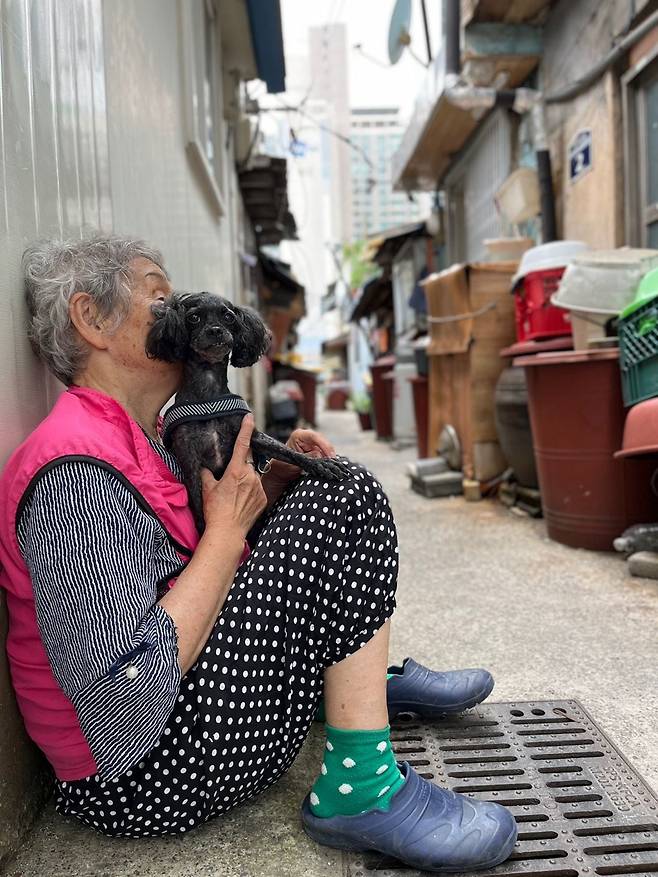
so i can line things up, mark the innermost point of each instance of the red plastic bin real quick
(589, 497)
(536, 317)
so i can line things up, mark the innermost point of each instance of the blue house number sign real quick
(580, 155)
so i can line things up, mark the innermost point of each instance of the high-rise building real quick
(377, 132)
(329, 82)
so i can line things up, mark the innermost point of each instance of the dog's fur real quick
(204, 330)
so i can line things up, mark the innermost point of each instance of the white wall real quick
(53, 180)
(155, 191)
(54, 176)
(91, 137)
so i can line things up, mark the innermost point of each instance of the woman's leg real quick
(315, 592)
(359, 771)
(355, 689)
(362, 799)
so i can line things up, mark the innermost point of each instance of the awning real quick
(278, 274)
(267, 40)
(264, 189)
(280, 287)
(376, 294)
(389, 243)
(375, 241)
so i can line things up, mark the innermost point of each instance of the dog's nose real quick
(214, 331)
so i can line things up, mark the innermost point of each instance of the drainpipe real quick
(452, 37)
(521, 100)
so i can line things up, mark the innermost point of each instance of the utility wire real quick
(298, 109)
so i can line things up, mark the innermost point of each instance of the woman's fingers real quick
(207, 478)
(242, 449)
(308, 441)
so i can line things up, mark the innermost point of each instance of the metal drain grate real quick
(581, 808)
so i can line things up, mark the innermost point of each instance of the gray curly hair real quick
(54, 270)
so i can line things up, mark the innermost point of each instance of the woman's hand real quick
(305, 441)
(230, 506)
(311, 443)
(238, 498)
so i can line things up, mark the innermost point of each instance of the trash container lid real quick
(646, 291)
(640, 430)
(567, 357)
(545, 345)
(604, 281)
(556, 254)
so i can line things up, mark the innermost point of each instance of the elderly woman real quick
(169, 677)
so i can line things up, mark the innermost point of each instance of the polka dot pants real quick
(319, 583)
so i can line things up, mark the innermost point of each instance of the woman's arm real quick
(231, 506)
(197, 598)
(94, 558)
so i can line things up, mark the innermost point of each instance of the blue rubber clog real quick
(426, 827)
(432, 693)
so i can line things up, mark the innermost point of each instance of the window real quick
(203, 95)
(641, 153)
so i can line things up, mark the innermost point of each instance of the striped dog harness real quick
(199, 411)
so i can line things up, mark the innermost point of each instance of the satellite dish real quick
(398, 30)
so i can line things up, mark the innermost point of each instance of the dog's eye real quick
(229, 318)
(193, 318)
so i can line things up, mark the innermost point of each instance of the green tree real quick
(360, 267)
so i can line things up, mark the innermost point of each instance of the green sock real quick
(358, 773)
(321, 716)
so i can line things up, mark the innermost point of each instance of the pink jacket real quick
(88, 424)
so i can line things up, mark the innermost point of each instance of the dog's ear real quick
(168, 338)
(251, 337)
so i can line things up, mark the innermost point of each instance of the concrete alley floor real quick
(478, 586)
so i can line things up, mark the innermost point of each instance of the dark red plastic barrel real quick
(577, 415)
(382, 396)
(419, 386)
(308, 383)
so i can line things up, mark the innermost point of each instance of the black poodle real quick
(204, 330)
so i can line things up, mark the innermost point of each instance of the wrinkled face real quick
(211, 323)
(149, 286)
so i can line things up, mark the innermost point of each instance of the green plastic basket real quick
(638, 353)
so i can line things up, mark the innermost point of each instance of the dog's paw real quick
(327, 468)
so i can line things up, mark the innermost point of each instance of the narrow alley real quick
(479, 586)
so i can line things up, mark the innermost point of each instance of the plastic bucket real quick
(382, 397)
(536, 317)
(589, 497)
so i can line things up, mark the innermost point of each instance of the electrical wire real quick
(582, 84)
(321, 126)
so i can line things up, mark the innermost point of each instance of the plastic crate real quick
(536, 317)
(638, 354)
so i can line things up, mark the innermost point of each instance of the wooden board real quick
(483, 71)
(450, 401)
(465, 361)
(446, 131)
(447, 295)
(488, 460)
(509, 11)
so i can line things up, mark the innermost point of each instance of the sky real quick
(370, 84)
(367, 23)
